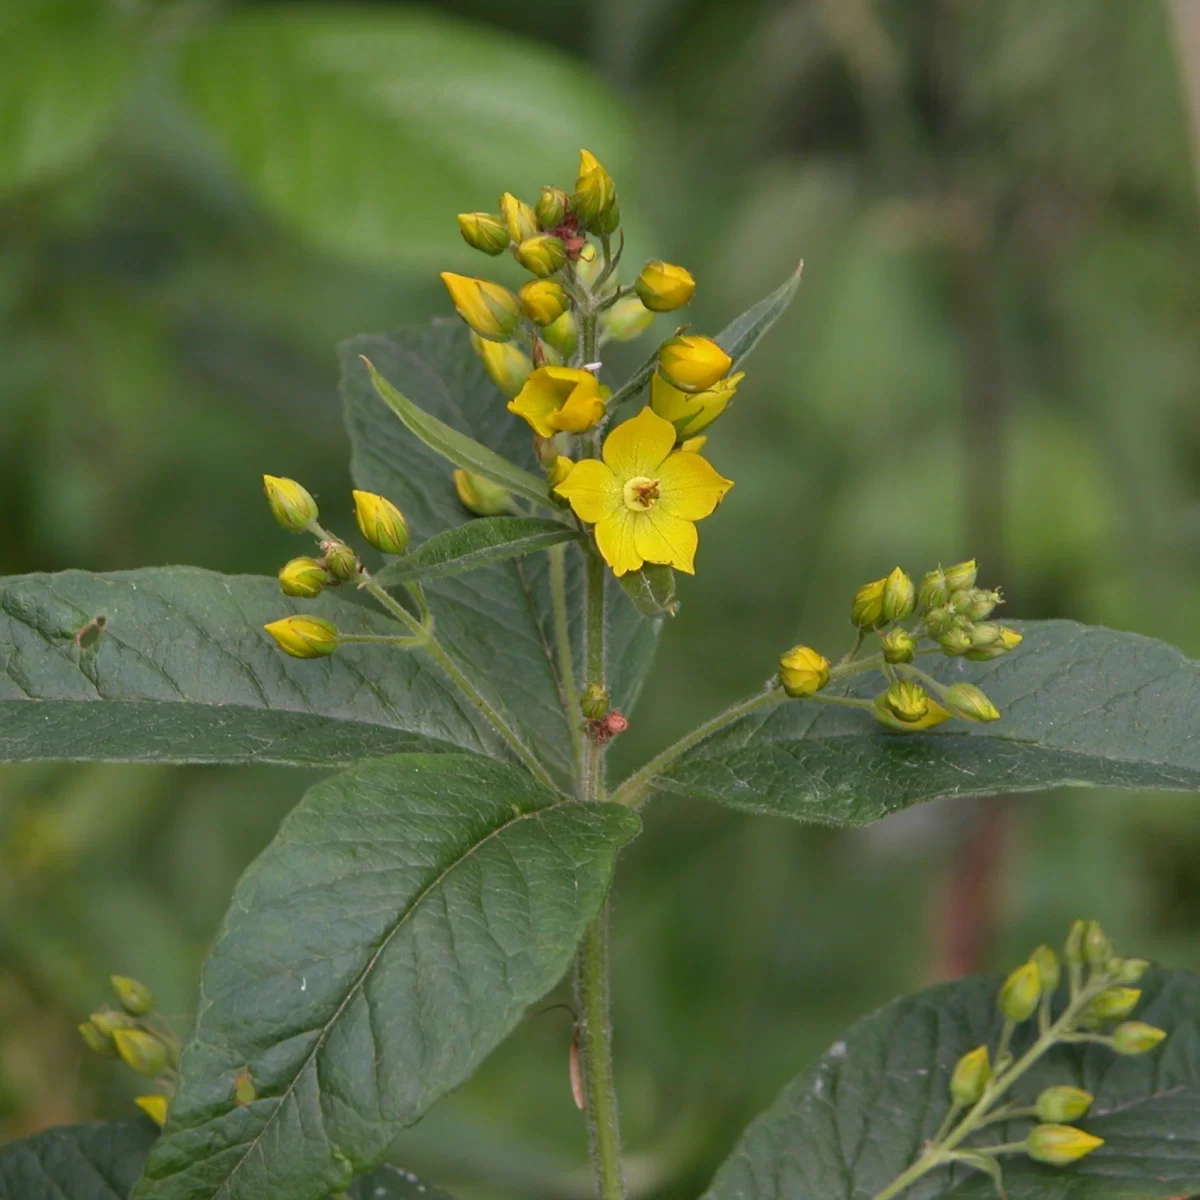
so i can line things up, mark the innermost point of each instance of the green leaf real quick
(183, 672)
(366, 128)
(652, 590)
(459, 449)
(392, 934)
(848, 1127)
(99, 1161)
(59, 96)
(476, 544)
(393, 1183)
(743, 334)
(1080, 705)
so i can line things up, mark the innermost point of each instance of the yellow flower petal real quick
(551, 389)
(689, 487)
(663, 538)
(581, 410)
(616, 540)
(592, 490)
(638, 446)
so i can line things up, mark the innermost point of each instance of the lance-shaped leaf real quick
(1079, 705)
(742, 334)
(172, 664)
(96, 1161)
(392, 934)
(476, 544)
(848, 1127)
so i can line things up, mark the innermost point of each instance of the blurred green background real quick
(995, 351)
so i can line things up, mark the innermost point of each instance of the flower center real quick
(641, 493)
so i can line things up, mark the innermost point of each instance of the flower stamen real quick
(640, 493)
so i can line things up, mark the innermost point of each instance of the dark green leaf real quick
(1080, 705)
(183, 672)
(476, 544)
(652, 590)
(76, 1162)
(393, 1183)
(741, 335)
(392, 934)
(850, 1125)
(456, 447)
(367, 128)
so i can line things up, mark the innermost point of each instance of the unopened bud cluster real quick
(135, 1033)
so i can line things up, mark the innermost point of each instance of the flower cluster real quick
(644, 487)
(946, 614)
(1100, 999)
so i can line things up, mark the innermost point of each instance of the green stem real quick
(592, 777)
(402, 640)
(566, 665)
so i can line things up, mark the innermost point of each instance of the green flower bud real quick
(142, 1051)
(551, 207)
(563, 334)
(380, 522)
(934, 591)
(955, 641)
(1073, 950)
(481, 496)
(977, 604)
(941, 619)
(1005, 640)
(304, 636)
(1113, 1004)
(1057, 1105)
(594, 702)
(898, 646)
(1020, 993)
(97, 1042)
(608, 222)
(484, 232)
(970, 1077)
(107, 1022)
(1097, 949)
(290, 503)
(136, 998)
(302, 577)
(1059, 1145)
(906, 701)
(1049, 969)
(340, 561)
(961, 576)
(155, 1107)
(985, 634)
(1136, 1037)
(899, 596)
(627, 319)
(866, 610)
(1130, 970)
(542, 255)
(965, 700)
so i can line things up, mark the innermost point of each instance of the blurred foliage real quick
(994, 351)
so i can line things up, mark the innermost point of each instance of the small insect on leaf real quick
(244, 1091)
(89, 635)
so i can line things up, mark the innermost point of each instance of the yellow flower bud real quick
(481, 496)
(340, 561)
(955, 641)
(694, 445)
(290, 503)
(1059, 1145)
(563, 334)
(934, 591)
(97, 1042)
(906, 701)
(489, 309)
(1009, 639)
(935, 714)
(521, 220)
(542, 255)
(965, 700)
(899, 596)
(1063, 1103)
(1113, 1004)
(302, 577)
(507, 365)
(155, 1107)
(1020, 993)
(898, 646)
(141, 1050)
(543, 301)
(380, 522)
(970, 1077)
(551, 207)
(559, 470)
(1049, 969)
(803, 671)
(691, 412)
(664, 287)
(1136, 1037)
(135, 997)
(961, 576)
(867, 609)
(304, 636)
(692, 364)
(983, 635)
(484, 232)
(595, 193)
(627, 319)
(1097, 949)
(594, 702)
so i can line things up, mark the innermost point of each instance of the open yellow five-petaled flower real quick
(645, 497)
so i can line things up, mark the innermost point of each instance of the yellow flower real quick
(380, 522)
(560, 468)
(481, 496)
(803, 671)
(491, 310)
(663, 287)
(521, 220)
(595, 191)
(692, 412)
(695, 444)
(560, 399)
(692, 364)
(643, 498)
(155, 1107)
(543, 301)
(291, 504)
(507, 365)
(303, 636)
(484, 232)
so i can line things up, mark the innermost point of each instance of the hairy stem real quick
(566, 665)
